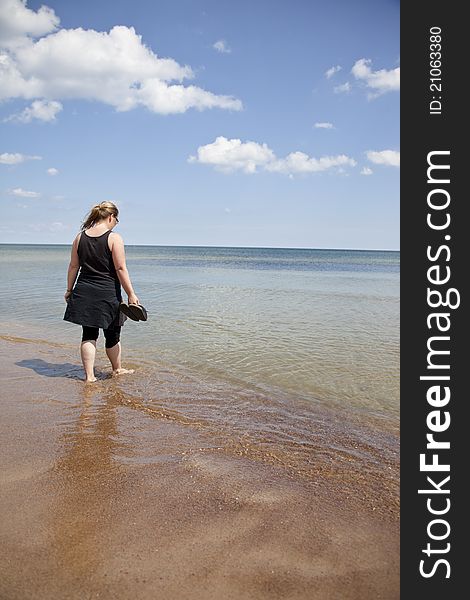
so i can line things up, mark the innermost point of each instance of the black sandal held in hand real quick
(136, 312)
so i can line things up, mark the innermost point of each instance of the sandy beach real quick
(102, 500)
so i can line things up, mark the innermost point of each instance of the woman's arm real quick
(119, 260)
(73, 269)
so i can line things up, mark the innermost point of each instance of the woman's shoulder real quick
(115, 237)
(115, 240)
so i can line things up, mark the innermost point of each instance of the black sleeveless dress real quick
(95, 299)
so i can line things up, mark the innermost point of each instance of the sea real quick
(290, 356)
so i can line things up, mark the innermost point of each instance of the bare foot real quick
(122, 371)
(92, 380)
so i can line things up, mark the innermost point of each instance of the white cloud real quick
(42, 110)
(323, 125)
(390, 158)
(332, 71)
(366, 171)
(299, 162)
(52, 171)
(24, 193)
(379, 81)
(17, 22)
(8, 158)
(234, 155)
(343, 88)
(221, 46)
(113, 67)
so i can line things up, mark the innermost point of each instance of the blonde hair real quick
(98, 213)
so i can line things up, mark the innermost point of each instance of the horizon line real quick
(206, 246)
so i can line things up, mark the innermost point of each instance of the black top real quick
(96, 259)
(95, 299)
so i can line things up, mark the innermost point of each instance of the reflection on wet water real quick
(86, 471)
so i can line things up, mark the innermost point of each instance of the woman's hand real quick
(132, 299)
(67, 296)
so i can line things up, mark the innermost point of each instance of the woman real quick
(94, 301)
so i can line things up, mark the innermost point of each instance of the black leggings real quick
(112, 335)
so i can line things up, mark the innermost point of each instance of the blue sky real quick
(263, 123)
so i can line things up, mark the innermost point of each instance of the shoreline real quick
(103, 499)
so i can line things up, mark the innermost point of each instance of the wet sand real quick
(102, 499)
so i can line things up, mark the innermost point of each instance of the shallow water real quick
(292, 355)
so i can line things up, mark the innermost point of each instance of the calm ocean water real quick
(250, 339)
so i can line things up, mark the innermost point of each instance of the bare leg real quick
(114, 355)
(88, 353)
